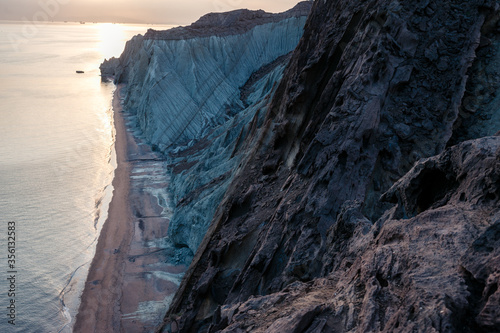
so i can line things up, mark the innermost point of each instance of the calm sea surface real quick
(56, 164)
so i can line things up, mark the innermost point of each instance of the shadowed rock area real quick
(368, 197)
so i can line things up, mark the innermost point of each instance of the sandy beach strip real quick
(130, 281)
(100, 301)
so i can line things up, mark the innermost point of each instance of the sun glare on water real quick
(113, 39)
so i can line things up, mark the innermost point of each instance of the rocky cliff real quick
(193, 92)
(185, 81)
(368, 197)
(351, 186)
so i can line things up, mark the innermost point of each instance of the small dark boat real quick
(80, 72)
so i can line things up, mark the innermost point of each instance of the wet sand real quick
(129, 284)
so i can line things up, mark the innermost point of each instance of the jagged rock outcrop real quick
(338, 218)
(401, 275)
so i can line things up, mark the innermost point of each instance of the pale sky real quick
(129, 11)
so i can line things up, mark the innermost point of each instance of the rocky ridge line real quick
(235, 22)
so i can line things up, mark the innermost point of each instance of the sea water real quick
(56, 165)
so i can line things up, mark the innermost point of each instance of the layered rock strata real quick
(348, 213)
(185, 81)
(196, 93)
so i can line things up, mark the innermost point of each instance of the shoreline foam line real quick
(99, 309)
(70, 295)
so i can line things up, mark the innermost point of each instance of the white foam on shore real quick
(70, 296)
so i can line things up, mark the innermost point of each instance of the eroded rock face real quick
(400, 275)
(478, 113)
(201, 173)
(348, 214)
(198, 93)
(183, 82)
(435, 271)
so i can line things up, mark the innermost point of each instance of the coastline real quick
(131, 281)
(99, 306)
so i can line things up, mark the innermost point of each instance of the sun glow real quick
(113, 39)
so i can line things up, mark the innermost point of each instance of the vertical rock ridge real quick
(478, 113)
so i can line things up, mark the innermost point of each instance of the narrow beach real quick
(130, 283)
(99, 307)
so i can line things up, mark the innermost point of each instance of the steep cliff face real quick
(201, 173)
(197, 93)
(348, 212)
(185, 81)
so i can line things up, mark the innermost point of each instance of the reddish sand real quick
(100, 301)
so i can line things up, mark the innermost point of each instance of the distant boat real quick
(80, 72)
